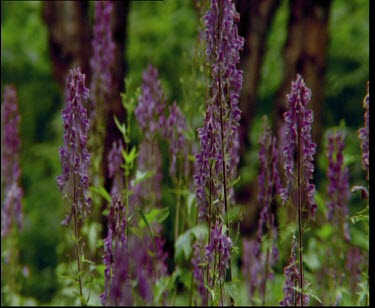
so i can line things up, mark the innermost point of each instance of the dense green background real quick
(165, 34)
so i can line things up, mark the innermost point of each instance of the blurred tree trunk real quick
(255, 21)
(305, 52)
(114, 106)
(69, 37)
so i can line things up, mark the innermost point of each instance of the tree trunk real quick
(114, 106)
(305, 52)
(69, 37)
(255, 21)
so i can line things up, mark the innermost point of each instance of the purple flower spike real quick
(292, 277)
(219, 249)
(364, 132)
(74, 158)
(219, 134)
(151, 104)
(338, 176)
(199, 269)
(10, 155)
(116, 260)
(298, 130)
(115, 171)
(103, 54)
(174, 132)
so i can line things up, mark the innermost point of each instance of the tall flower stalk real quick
(216, 163)
(11, 192)
(75, 159)
(364, 133)
(338, 188)
(299, 144)
(11, 215)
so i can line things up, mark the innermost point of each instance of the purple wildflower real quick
(338, 176)
(219, 134)
(115, 256)
(151, 104)
(364, 132)
(104, 54)
(255, 261)
(218, 251)
(175, 130)
(251, 264)
(354, 266)
(115, 161)
(10, 169)
(198, 266)
(291, 296)
(74, 157)
(298, 134)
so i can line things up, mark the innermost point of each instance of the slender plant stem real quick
(266, 277)
(209, 234)
(299, 201)
(78, 257)
(76, 238)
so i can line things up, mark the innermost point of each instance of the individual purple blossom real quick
(74, 158)
(219, 134)
(299, 142)
(291, 296)
(151, 104)
(115, 258)
(103, 58)
(338, 177)
(115, 170)
(10, 168)
(364, 132)
(175, 130)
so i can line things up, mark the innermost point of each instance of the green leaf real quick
(233, 214)
(121, 127)
(325, 232)
(155, 215)
(199, 231)
(101, 191)
(131, 156)
(145, 220)
(183, 246)
(231, 289)
(190, 201)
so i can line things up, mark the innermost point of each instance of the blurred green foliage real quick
(164, 33)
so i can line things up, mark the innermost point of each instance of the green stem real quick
(76, 238)
(299, 201)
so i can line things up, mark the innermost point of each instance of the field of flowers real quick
(168, 229)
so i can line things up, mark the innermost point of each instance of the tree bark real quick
(69, 37)
(114, 106)
(305, 52)
(255, 20)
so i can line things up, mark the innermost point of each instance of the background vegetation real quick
(165, 34)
